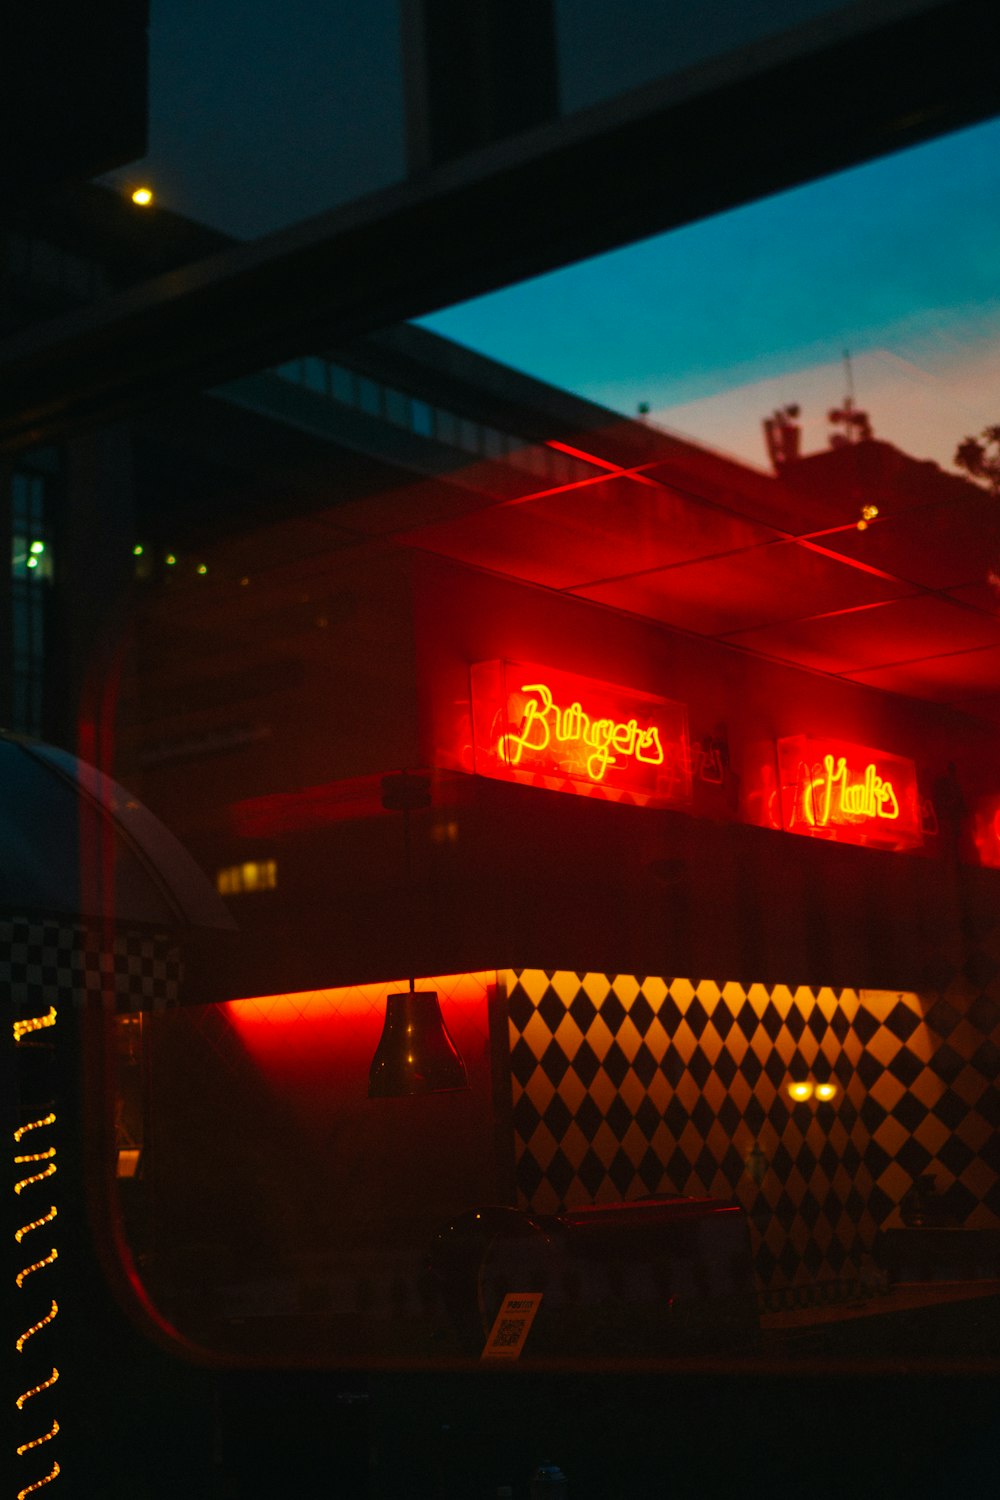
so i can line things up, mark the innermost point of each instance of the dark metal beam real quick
(787, 111)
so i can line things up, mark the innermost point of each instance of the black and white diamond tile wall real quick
(39, 959)
(626, 1086)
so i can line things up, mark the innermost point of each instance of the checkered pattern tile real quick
(625, 1086)
(38, 959)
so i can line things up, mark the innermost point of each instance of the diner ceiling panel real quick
(752, 494)
(900, 631)
(590, 531)
(746, 590)
(699, 542)
(938, 547)
(944, 679)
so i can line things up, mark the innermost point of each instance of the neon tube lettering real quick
(869, 797)
(605, 739)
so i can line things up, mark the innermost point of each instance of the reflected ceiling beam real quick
(872, 78)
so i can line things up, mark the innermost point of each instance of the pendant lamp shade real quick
(415, 1054)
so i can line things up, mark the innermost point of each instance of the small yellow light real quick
(202, 569)
(862, 525)
(142, 196)
(39, 1484)
(137, 550)
(825, 1090)
(38, 1441)
(170, 559)
(800, 1091)
(869, 512)
(49, 1119)
(22, 1028)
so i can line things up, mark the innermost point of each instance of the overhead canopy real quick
(76, 844)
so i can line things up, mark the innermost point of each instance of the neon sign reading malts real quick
(847, 797)
(849, 793)
(569, 733)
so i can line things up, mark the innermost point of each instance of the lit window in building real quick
(252, 875)
(446, 427)
(31, 573)
(342, 384)
(369, 396)
(470, 435)
(397, 407)
(421, 418)
(314, 375)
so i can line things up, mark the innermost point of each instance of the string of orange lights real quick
(22, 1029)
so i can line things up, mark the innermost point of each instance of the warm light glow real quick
(36, 1390)
(355, 1001)
(544, 721)
(835, 796)
(869, 512)
(552, 728)
(39, 1483)
(142, 196)
(850, 793)
(805, 1088)
(35, 1224)
(37, 1442)
(128, 1161)
(23, 1028)
(138, 550)
(36, 1327)
(170, 559)
(252, 875)
(34, 1023)
(22, 1130)
(202, 568)
(27, 1271)
(25, 1182)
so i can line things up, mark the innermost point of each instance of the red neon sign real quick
(849, 793)
(555, 729)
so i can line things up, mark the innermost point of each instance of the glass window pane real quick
(397, 407)
(369, 396)
(422, 416)
(343, 385)
(315, 375)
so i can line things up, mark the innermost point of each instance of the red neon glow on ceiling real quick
(849, 793)
(544, 727)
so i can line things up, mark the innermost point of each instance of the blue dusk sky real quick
(275, 112)
(717, 323)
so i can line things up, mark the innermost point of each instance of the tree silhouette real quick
(980, 458)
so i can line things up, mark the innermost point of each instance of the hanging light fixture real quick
(415, 1054)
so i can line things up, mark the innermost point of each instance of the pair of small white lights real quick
(34, 553)
(805, 1090)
